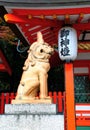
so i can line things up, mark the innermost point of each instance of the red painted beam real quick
(81, 16)
(83, 121)
(48, 12)
(7, 67)
(43, 22)
(67, 19)
(82, 26)
(13, 18)
(33, 21)
(2, 68)
(81, 63)
(83, 51)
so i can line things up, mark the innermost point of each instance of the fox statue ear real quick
(40, 38)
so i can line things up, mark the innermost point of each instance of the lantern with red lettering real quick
(67, 44)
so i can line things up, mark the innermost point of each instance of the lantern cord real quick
(21, 50)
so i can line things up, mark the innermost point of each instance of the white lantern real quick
(67, 43)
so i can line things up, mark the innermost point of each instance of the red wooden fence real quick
(59, 99)
(5, 98)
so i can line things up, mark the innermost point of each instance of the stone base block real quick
(31, 122)
(31, 117)
(30, 109)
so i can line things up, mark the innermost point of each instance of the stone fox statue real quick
(36, 66)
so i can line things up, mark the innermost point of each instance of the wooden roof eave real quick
(44, 3)
(13, 27)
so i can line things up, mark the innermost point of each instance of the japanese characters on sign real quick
(67, 43)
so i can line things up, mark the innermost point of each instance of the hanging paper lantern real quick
(67, 44)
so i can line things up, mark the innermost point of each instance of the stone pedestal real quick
(31, 117)
(31, 109)
(35, 101)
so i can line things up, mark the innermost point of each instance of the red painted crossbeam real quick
(81, 26)
(43, 22)
(33, 21)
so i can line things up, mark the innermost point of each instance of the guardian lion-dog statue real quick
(34, 76)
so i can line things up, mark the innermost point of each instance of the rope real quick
(83, 46)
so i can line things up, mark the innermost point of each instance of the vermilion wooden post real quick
(2, 103)
(12, 96)
(60, 102)
(55, 97)
(65, 121)
(50, 94)
(70, 104)
(7, 98)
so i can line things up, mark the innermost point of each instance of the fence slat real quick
(12, 96)
(7, 98)
(2, 103)
(60, 102)
(55, 97)
(50, 94)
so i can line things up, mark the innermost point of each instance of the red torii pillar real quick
(70, 100)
